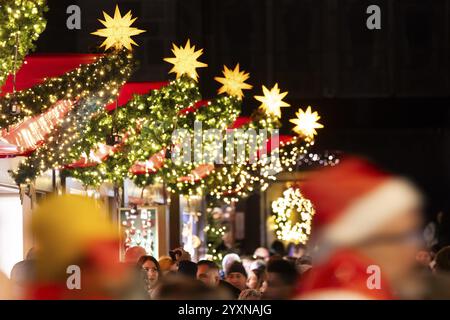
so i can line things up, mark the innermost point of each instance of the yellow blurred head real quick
(64, 228)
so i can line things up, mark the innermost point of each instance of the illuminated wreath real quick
(293, 216)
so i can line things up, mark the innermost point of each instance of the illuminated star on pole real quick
(233, 82)
(118, 31)
(307, 123)
(185, 61)
(272, 101)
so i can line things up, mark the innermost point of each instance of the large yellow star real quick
(306, 123)
(233, 82)
(185, 60)
(118, 32)
(272, 101)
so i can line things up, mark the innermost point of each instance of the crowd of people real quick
(262, 276)
(368, 243)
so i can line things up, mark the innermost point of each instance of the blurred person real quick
(179, 254)
(208, 273)
(261, 253)
(178, 287)
(152, 270)
(366, 225)
(431, 231)
(277, 248)
(6, 291)
(256, 277)
(231, 290)
(423, 258)
(74, 231)
(23, 274)
(188, 269)
(133, 254)
(258, 264)
(236, 275)
(442, 261)
(433, 251)
(166, 264)
(250, 294)
(296, 250)
(228, 260)
(281, 280)
(303, 265)
(246, 262)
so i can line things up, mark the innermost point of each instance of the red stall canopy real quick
(37, 67)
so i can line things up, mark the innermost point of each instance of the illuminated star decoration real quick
(185, 60)
(306, 123)
(118, 32)
(234, 82)
(272, 101)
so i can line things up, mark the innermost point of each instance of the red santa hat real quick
(354, 199)
(345, 276)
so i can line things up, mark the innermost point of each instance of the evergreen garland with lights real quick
(92, 86)
(22, 21)
(214, 232)
(145, 126)
(106, 74)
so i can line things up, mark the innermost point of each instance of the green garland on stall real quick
(146, 125)
(22, 21)
(96, 85)
(214, 232)
(82, 82)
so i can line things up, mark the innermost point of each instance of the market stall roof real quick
(37, 67)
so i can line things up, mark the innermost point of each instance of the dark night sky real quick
(384, 93)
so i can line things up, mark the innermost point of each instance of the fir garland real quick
(22, 21)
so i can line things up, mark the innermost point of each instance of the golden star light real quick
(118, 31)
(185, 61)
(272, 101)
(306, 123)
(234, 82)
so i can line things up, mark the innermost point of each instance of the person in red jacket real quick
(366, 231)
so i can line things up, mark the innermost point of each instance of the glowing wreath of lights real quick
(293, 216)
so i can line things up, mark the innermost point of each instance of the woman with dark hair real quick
(152, 271)
(256, 278)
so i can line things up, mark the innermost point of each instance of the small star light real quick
(306, 123)
(272, 101)
(118, 32)
(185, 60)
(234, 82)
